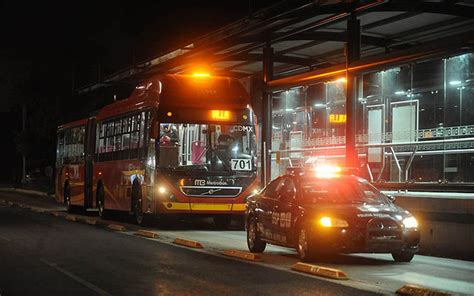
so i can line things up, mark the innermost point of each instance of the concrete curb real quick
(27, 191)
(188, 243)
(242, 255)
(414, 290)
(146, 233)
(320, 271)
(58, 214)
(71, 218)
(37, 210)
(116, 227)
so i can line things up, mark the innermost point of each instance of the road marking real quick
(188, 243)
(146, 233)
(320, 271)
(414, 290)
(76, 278)
(71, 218)
(116, 227)
(242, 255)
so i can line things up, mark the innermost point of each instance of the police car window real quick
(287, 189)
(340, 190)
(273, 188)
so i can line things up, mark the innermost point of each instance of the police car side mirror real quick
(391, 197)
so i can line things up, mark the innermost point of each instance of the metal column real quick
(267, 116)
(352, 55)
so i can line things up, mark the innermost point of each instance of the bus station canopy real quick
(308, 36)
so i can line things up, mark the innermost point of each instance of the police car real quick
(323, 211)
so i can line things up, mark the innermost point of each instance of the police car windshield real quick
(340, 190)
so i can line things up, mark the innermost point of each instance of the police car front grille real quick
(383, 229)
(210, 191)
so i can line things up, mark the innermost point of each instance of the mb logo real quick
(200, 182)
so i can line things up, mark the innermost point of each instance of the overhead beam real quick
(429, 7)
(318, 36)
(257, 57)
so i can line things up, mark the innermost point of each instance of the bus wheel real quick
(137, 206)
(101, 202)
(67, 198)
(222, 221)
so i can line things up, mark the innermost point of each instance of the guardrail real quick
(402, 172)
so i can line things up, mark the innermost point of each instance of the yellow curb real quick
(146, 233)
(242, 255)
(23, 206)
(188, 243)
(413, 290)
(91, 221)
(116, 227)
(320, 271)
(37, 210)
(71, 218)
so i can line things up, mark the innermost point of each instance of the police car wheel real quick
(305, 248)
(403, 256)
(254, 243)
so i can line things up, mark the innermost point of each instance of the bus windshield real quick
(215, 148)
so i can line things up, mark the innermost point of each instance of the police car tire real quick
(403, 256)
(311, 253)
(258, 245)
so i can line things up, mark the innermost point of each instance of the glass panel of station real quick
(428, 101)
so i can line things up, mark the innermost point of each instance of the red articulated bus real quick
(180, 144)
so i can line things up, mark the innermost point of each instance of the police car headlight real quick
(410, 222)
(332, 222)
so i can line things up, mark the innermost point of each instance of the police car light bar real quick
(327, 171)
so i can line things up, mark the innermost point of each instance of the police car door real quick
(284, 210)
(267, 204)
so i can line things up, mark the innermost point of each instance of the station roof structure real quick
(310, 35)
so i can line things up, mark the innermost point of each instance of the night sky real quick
(50, 48)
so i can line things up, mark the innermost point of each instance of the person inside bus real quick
(168, 135)
(226, 144)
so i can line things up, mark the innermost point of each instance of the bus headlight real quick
(255, 191)
(162, 189)
(332, 222)
(410, 222)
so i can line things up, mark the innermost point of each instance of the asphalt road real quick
(44, 255)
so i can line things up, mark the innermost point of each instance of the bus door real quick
(89, 162)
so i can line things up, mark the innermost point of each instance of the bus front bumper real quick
(201, 208)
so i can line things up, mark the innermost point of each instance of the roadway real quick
(43, 254)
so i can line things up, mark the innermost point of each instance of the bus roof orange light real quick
(220, 114)
(169, 114)
(201, 74)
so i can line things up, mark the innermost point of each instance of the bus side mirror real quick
(391, 197)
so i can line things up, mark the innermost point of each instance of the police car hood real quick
(358, 212)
